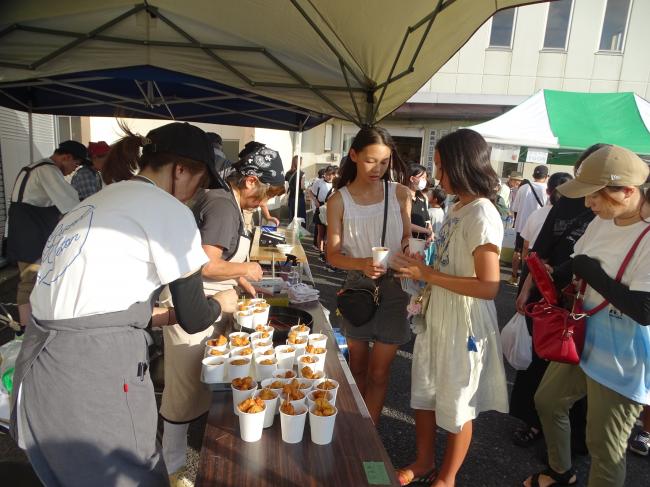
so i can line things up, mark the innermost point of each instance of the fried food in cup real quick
(243, 383)
(308, 359)
(315, 350)
(322, 407)
(289, 374)
(239, 341)
(241, 361)
(302, 328)
(216, 352)
(307, 372)
(245, 351)
(265, 334)
(268, 361)
(319, 395)
(252, 405)
(270, 351)
(276, 384)
(287, 408)
(289, 350)
(264, 344)
(267, 394)
(218, 342)
(291, 391)
(327, 385)
(295, 339)
(259, 310)
(261, 328)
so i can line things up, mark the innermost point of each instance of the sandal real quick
(558, 478)
(405, 476)
(526, 437)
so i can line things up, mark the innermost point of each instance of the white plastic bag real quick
(516, 343)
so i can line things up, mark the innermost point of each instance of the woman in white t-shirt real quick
(457, 361)
(355, 219)
(613, 372)
(84, 406)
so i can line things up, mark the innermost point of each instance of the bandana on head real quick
(264, 163)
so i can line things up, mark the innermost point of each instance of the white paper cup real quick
(209, 350)
(316, 375)
(238, 396)
(300, 348)
(280, 374)
(264, 352)
(222, 348)
(267, 383)
(266, 328)
(237, 334)
(318, 366)
(297, 403)
(265, 371)
(293, 426)
(270, 409)
(251, 426)
(310, 398)
(306, 386)
(244, 318)
(246, 352)
(333, 391)
(322, 427)
(380, 256)
(234, 371)
(318, 340)
(417, 245)
(285, 357)
(213, 369)
(261, 318)
(262, 343)
(299, 333)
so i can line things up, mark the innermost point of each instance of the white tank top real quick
(362, 225)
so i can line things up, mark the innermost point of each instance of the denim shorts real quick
(389, 324)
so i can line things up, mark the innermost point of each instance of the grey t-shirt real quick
(219, 220)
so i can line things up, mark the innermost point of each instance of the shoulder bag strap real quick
(619, 275)
(383, 229)
(27, 170)
(532, 189)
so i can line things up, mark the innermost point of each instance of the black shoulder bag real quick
(358, 303)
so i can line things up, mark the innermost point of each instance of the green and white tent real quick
(570, 120)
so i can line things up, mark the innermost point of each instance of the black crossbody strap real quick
(383, 230)
(532, 189)
(23, 183)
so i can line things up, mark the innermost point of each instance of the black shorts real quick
(519, 242)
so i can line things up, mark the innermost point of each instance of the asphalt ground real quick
(492, 461)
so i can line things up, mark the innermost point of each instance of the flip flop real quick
(558, 478)
(405, 476)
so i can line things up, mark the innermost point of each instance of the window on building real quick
(557, 24)
(69, 128)
(503, 26)
(612, 36)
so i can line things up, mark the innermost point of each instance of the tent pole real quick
(30, 125)
(297, 152)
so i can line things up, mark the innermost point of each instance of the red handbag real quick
(542, 278)
(559, 334)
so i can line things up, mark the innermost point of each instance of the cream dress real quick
(447, 377)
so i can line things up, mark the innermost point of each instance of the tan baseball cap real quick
(608, 166)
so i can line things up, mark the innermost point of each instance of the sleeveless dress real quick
(447, 377)
(361, 230)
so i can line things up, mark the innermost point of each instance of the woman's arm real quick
(193, 310)
(484, 286)
(404, 199)
(418, 229)
(334, 255)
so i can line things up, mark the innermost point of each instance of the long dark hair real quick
(465, 159)
(369, 136)
(553, 182)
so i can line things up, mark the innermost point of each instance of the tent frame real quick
(354, 82)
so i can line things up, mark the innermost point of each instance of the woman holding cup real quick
(355, 218)
(457, 363)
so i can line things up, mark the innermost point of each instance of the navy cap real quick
(75, 149)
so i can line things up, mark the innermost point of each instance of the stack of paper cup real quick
(286, 355)
(293, 426)
(238, 396)
(322, 427)
(214, 369)
(417, 245)
(251, 425)
(380, 256)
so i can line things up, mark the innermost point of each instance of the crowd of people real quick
(102, 235)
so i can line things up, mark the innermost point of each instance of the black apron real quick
(29, 226)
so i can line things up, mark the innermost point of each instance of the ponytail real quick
(122, 162)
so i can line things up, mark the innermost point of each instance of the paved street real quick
(493, 461)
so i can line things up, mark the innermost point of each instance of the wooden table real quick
(226, 460)
(268, 254)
